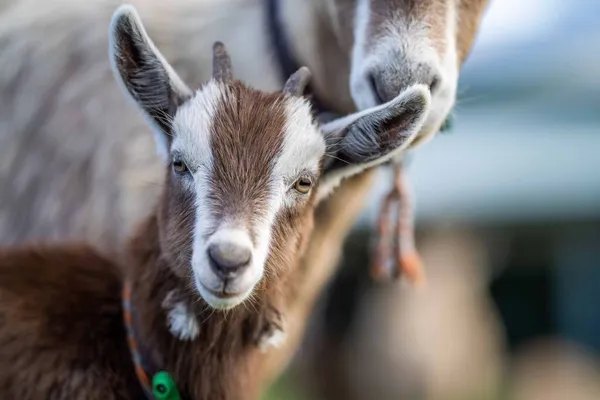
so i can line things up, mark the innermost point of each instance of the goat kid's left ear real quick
(144, 74)
(371, 137)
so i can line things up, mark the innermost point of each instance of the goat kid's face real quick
(245, 167)
(399, 43)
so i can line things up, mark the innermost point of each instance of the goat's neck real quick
(213, 363)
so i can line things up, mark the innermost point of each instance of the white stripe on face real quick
(303, 147)
(192, 127)
(192, 131)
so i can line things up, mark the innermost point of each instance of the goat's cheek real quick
(179, 226)
(307, 225)
(291, 236)
(181, 249)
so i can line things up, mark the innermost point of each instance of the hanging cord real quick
(395, 253)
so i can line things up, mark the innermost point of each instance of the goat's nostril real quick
(375, 89)
(434, 86)
(228, 259)
(385, 85)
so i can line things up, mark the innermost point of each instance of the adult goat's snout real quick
(387, 83)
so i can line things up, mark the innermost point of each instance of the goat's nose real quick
(228, 259)
(388, 83)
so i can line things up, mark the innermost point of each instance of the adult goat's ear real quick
(144, 74)
(371, 137)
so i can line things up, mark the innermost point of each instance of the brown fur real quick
(62, 336)
(61, 330)
(258, 143)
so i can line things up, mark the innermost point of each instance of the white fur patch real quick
(181, 322)
(303, 145)
(359, 86)
(273, 340)
(237, 236)
(192, 127)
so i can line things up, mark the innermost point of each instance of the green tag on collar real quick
(164, 388)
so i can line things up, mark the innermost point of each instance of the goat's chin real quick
(223, 301)
(441, 106)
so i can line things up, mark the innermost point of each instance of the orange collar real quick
(129, 320)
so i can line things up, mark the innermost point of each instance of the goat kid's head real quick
(245, 168)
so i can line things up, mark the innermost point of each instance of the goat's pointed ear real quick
(144, 73)
(371, 137)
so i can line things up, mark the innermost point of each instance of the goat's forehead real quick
(237, 125)
(303, 142)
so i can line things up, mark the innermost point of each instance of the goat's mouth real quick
(222, 293)
(222, 298)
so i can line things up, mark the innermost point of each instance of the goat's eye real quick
(179, 166)
(303, 185)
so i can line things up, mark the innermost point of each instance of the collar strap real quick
(283, 53)
(162, 386)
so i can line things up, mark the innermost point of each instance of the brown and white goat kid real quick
(243, 176)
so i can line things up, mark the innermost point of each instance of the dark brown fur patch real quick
(61, 331)
(246, 138)
(177, 216)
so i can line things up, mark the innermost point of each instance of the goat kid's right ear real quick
(144, 73)
(372, 137)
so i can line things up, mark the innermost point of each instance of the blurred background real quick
(508, 207)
